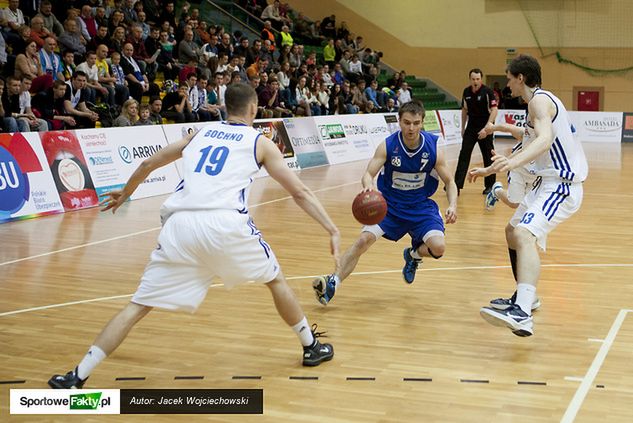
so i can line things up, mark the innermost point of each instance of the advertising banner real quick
(69, 169)
(27, 188)
(276, 131)
(176, 132)
(511, 117)
(113, 154)
(627, 127)
(380, 126)
(302, 133)
(431, 122)
(598, 126)
(451, 121)
(345, 138)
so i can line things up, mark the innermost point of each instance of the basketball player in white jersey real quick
(207, 231)
(560, 166)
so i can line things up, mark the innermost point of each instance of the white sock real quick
(302, 329)
(525, 297)
(91, 360)
(415, 255)
(337, 280)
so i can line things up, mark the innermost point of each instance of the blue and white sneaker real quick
(515, 319)
(324, 288)
(491, 197)
(410, 266)
(68, 381)
(503, 303)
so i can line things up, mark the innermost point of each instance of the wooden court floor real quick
(403, 353)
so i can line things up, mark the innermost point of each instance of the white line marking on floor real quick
(592, 372)
(595, 340)
(573, 378)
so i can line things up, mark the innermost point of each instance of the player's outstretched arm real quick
(114, 199)
(441, 167)
(270, 157)
(515, 131)
(373, 167)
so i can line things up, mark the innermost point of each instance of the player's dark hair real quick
(414, 107)
(238, 97)
(527, 66)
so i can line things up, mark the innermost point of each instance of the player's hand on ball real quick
(451, 215)
(113, 200)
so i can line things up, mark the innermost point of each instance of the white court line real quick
(595, 340)
(290, 278)
(592, 372)
(150, 230)
(573, 378)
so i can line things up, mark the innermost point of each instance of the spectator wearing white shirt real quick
(13, 18)
(404, 95)
(89, 67)
(27, 120)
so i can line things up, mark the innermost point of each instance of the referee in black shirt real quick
(479, 105)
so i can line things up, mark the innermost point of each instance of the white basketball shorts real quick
(194, 247)
(548, 204)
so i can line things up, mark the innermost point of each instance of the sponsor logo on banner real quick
(627, 127)
(510, 117)
(125, 154)
(145, 151)
(605, 124)
(351, 130)
(100, 160)
(17, 160)
(331, 131)
(46, 401)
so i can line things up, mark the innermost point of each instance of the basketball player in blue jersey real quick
(560, 165)
(410, 166)
(207, 231)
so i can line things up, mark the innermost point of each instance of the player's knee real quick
(524, 237)
(436, 251)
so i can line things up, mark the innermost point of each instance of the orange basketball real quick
(369, 207)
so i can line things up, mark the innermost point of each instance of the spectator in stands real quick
(404, 95)
(308, 104)
(129, 114)
(117, 19)
(188, 50)
(75, 102)
(268, 35)
(152, 45)
(225, 45)
(285, 38)
(147, 63)
(89, 67)
(153, 10)
(206, 111)
(50, 106)
(129, 13)
(71, 39)
(68, 64)
(219, 90)
(155, 106)
(329, 53)
(50, 62)
(39, 33)
(138, 84)
(118, 40)
(100, 17)
(328, 27)
(346, 99)
(338, 76)
(51, 23)
(117, 94)
(371, 93)
(144, 114)
(355, 69)
(168, 13)
(28, 121)
(101, 37)
(17, 116)
(142, 21)
(323, 95)
(333, 104)
(257, 68)
(12, 20)
(166, 62)
(176, 106)
(210, 49)
(88, 22)
(391, 106)
(3, 54)
(269, 98)
(9, 119)
(28, 64)
(271, 13)
(24, 36)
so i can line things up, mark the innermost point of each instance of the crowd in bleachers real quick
(68, 64)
